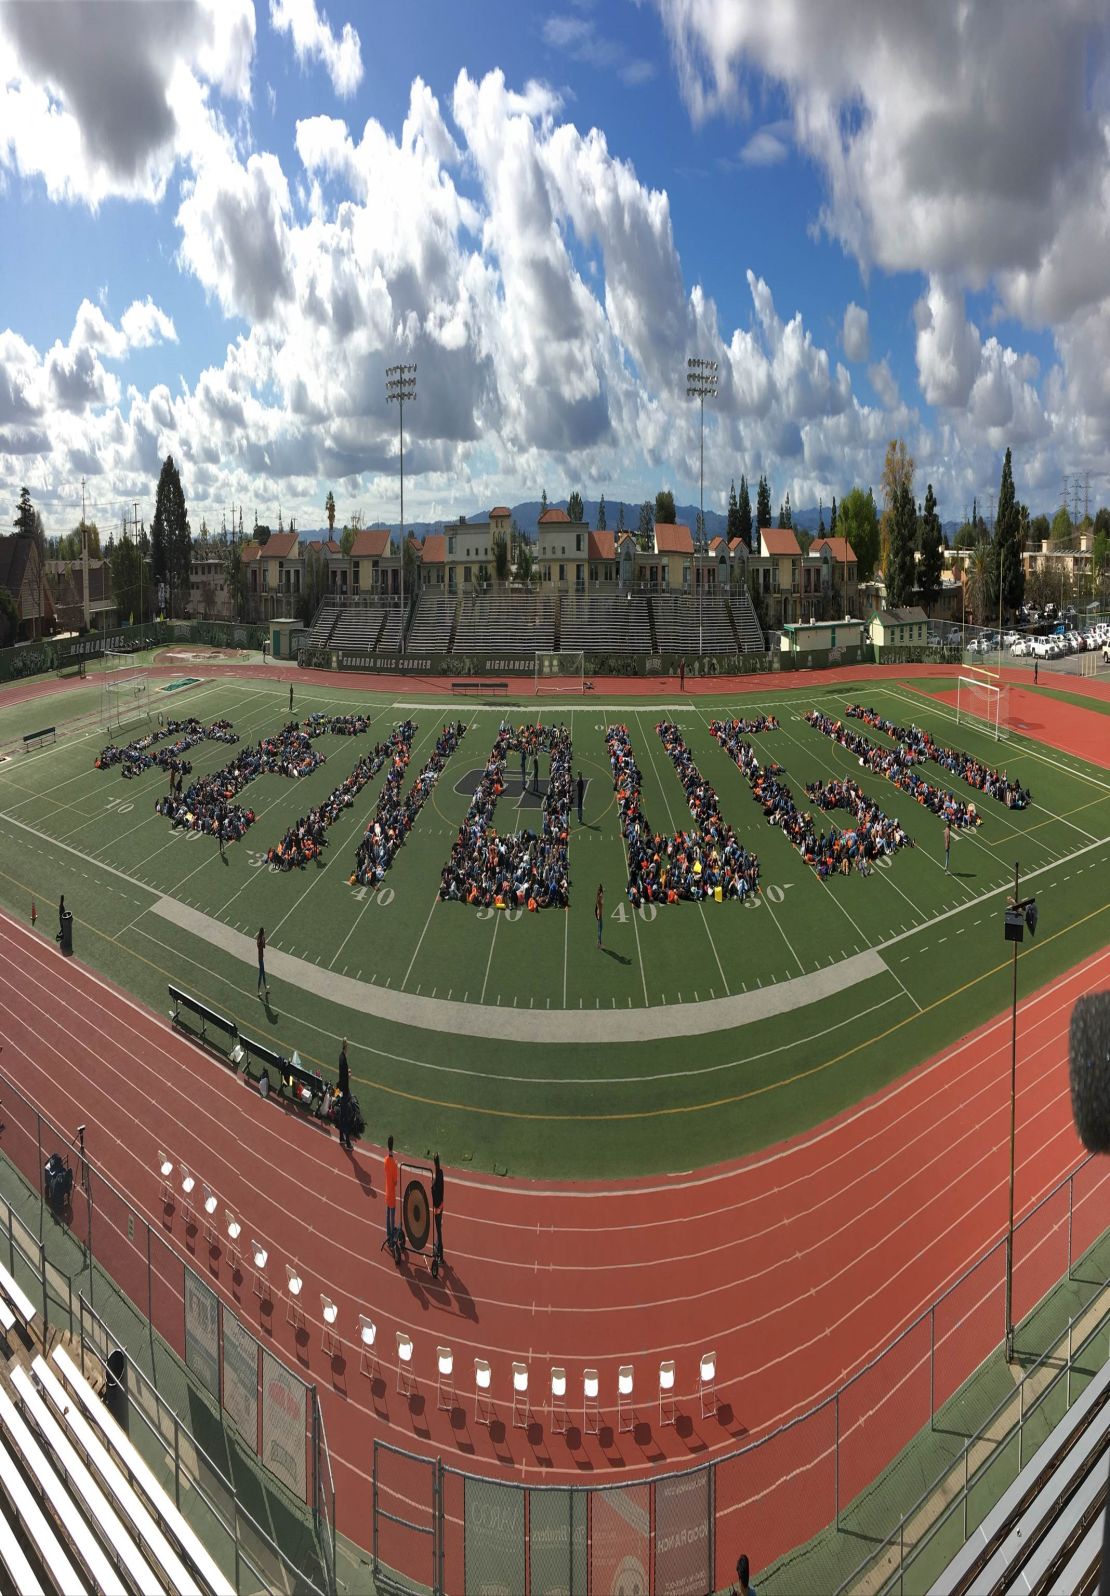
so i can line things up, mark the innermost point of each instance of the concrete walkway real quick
(516, 1024)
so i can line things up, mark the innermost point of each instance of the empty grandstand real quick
(519, 622)
(513, 623)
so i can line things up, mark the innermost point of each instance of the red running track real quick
(797, 1265)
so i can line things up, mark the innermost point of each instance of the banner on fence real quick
(557, 1542)
(284, 1418)
(202, 1332)
(494, 1536)
(240, 1371)
(620, 1540)
(682, 1535)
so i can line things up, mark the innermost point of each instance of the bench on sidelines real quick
(33, 739)
(207, 1017)
(474, 686)
(306, 1088)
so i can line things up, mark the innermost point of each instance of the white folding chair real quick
(329, 1341)
(211, 1203)
(188, 1182)
(368, 1339)
(558, 1401)
(625, 1413)
(234, 1231)
(445, 1392)
(520, 1396)
(259, 1256)
(591, 1406)
(666, 1392)
(406, 1380)
(483, 1402)
(165, 1170)
(294, 1310)
(707, 1383)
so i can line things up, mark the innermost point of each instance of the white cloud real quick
(90, 92)
(882, 380)
(313, 40)
(577, 36)
(768, 145)
(855, 335)
(143, 323)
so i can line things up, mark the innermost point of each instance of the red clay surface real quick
(796, 1265)
(1068, 727)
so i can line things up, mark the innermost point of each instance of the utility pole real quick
(1075, 494)
(400, 384)
(139, 546)
(1086, 495)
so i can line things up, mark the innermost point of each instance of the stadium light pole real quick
(400, 384)
(1020, 912)
(701, 384)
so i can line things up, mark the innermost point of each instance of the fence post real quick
(89, 1201)
(836, 1460)
(1071, 1202)
(932, 1363)
(967, 1448)
(1070, 1323)
(38, 1153)
(45, 1293)
(176, 1462)
(374, 1510)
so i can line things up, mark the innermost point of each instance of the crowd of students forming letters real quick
(137, 756)
(395, 814)
(305, 840)
(522, 869)
(208, 804)
(995, 783)
(706, 861)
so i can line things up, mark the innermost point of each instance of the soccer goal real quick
(560, 671)
(124, 689)
(983, 703)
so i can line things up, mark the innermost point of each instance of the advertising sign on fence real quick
(284, 1418)
(557, 1542)
(202, 1338)
(494, 1537)
(240, 1367)
(620, 1540)
(682, 1535)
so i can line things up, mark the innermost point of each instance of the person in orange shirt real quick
(390, 1193)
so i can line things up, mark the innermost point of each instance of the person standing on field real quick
(260, 942)
(599, 910)
(947, 844)
(581, 791)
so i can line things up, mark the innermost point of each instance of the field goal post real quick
(124, 689)
(560, 670)
(983, 698)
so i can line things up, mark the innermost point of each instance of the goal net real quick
(983, 703)
(124, 689)
(560, 671)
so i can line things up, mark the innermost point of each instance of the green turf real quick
(550, 1105)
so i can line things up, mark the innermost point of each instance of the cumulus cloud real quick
(855, 335)
(313, 40)
(90, 94)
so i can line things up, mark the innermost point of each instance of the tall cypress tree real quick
(832, 520)
(762, 505)
(931, 565)
(744, 509)
(1007, 540)
(601, 514)
(900, 564)
(170, 531)
(733, 527)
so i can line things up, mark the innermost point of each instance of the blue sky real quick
(584, 195)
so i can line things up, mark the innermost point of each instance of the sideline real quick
(519, 1024)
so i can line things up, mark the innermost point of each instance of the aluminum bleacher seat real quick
(430, 628)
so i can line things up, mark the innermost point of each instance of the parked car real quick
(1023, 648)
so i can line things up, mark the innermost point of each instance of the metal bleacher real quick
(748, 629)
(678, 625)
(605, 623)
(80, 1511)
(322, 627)
(430, 627)
(1046, 1532)
(510, 623)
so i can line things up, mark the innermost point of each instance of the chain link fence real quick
(440, 1529)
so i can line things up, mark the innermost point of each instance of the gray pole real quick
(701, 384)
(701, 531)
(1013, 1128)
(400, 384)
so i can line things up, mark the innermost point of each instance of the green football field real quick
(507, 1039)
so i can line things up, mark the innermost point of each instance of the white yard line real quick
(489, 961)
(415, 951)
